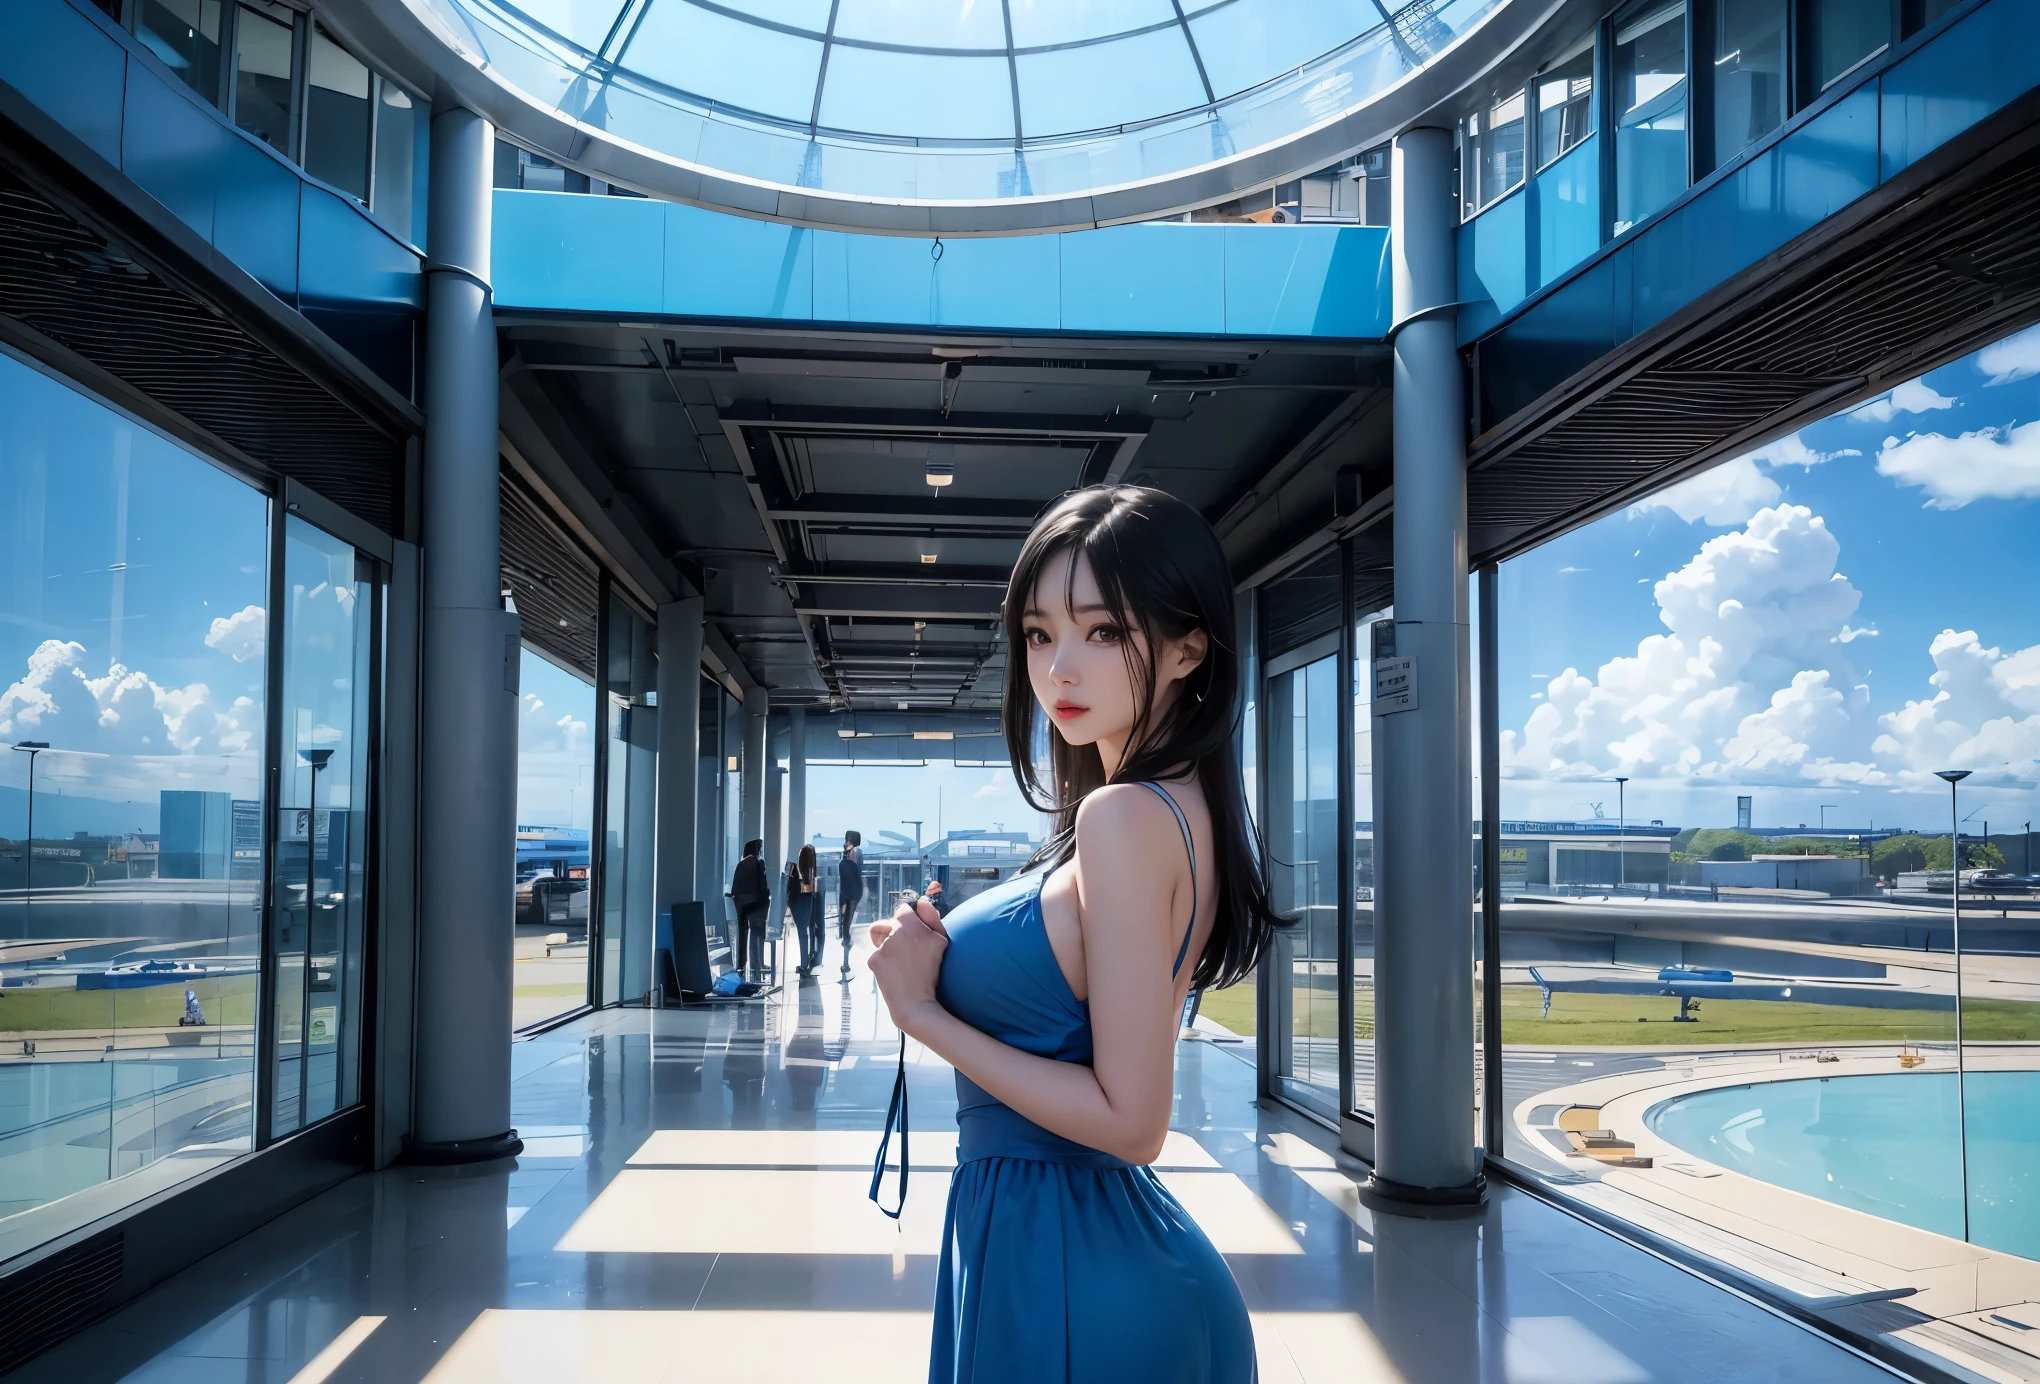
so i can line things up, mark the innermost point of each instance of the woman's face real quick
(1077, 657)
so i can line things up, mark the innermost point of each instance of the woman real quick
(1056, 996)
(805, 900)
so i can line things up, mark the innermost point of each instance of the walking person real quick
(804, 898)
(1064, 1258)
(849, 891)
(751, 892)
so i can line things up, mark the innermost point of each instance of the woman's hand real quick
(907, 962)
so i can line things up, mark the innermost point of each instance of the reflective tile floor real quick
(691, 1206)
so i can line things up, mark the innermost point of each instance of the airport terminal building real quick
(471, 466)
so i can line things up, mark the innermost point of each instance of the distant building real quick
(197, 829)
(1821, 874)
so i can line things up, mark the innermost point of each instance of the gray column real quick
(1423, 900)
(775, 858)
(467, 795)
(679, 751)
(796, 781)
(752, 808)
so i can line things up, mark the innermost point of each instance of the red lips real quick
(1069, 710)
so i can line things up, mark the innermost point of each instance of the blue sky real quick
(132, 585)
(1827, 619)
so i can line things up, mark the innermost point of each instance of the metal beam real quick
(899, 511)
(977, 427)
(918, 603)
(888, 574)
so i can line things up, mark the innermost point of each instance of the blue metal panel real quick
(588, 254)
(358, 283)
(1561, 334)
(255, 223)
(172, 147)
(1781, 193)
(1494, 256)
(1979, 65)
(1567, 198)
(732, 266)
(1143, 279)
(1009, 283)
(1305, 280)
(67, 65)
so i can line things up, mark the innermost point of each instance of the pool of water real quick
(1888, 1144)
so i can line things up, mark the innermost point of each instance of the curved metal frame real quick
(412, 42)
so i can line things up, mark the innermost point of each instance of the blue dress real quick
(1060, 1262)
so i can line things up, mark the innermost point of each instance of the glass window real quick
(185, 34)
(1105, 84)
(337, 117)
(920, 24)
(1565, 105)
(1650, 105)
(910, 94)
(1727, 876)
(1303, 876)
(133, 611)
(1244, 45)
(1841, 33)
(727, 60)
(318, 897)
(401, 131)
(1037, 23)
(1491, 152)
(263, 44)
(555, 807)
(1749, 73)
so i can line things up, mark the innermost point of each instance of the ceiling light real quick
(940, 473)
(925, 557)
(934, 735)
(846, 734)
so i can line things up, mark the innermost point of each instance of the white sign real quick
(1395, 685)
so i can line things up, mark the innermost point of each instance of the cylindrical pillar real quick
(1423, 898)
(468, 722)
(796, 781)
(680, 634)
(775, 798)
(752, 805)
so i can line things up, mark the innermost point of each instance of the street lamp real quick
(1952, 777)
(1823, 815)
(1621, 832)
(31, 748)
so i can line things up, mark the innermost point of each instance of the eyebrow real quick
(1074, 610)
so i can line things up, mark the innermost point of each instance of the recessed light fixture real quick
(733, 764)
(925, 558)
(940, 473)
(934, 735)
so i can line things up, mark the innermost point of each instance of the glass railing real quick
(688, 129)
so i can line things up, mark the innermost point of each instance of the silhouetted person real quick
(751, 892)
(849, 891)
(804, 899)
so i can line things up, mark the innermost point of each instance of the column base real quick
(452, 1151)
(1402, 1196)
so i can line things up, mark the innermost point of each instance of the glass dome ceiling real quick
(946, 101)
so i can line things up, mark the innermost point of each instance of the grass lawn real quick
(1613, 1021)
(230, 1000)
(1233, 1007)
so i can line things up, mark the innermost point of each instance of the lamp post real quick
(1823, 816)
(1621, 832)
(31, 748)
(1952, 777)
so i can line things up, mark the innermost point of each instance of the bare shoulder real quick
(1127, 823)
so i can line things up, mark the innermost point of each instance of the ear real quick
(1190, 652)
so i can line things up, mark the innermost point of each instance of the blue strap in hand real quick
(895, 1117)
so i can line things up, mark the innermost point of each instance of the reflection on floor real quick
(691, 1205)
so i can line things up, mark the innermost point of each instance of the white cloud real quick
(1914, 396)
(1722, 495)
(240, 636)
(1989, 464)
(2014, 358)
(1973, 720)
(1743, 685)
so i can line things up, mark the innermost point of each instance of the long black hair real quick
(1159, 564)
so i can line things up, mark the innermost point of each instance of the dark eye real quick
(1036, 638)
(1108, 634)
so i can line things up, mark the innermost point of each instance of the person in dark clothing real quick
(751, 892)
(849, 891)
(804, 898)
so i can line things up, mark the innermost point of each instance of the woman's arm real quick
(1132, 925)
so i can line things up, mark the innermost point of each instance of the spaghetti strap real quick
(1190, 846)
